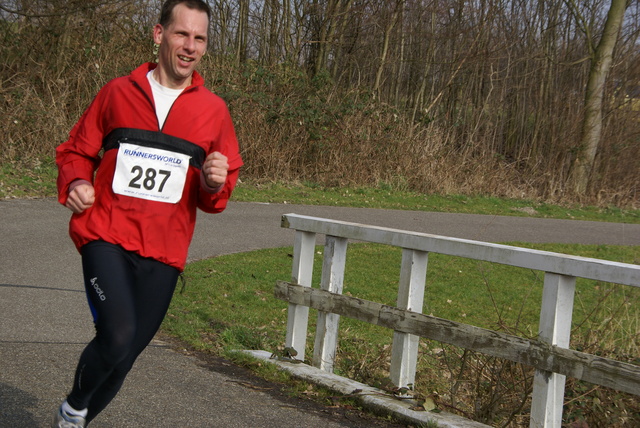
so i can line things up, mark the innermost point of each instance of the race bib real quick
(149, 173)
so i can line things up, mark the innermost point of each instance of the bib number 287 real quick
(148, 178)
(150, 173)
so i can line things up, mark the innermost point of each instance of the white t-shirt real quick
(163, 98)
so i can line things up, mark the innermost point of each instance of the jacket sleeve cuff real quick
(206, 187)
(76, 183)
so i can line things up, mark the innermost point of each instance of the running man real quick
(168, 147)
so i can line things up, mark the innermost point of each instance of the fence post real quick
(333, 264)
(404, 352)
(298, 316)
(555, 329)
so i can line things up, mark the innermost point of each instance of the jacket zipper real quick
(153, 106)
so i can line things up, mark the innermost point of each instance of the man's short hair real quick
(166, 13)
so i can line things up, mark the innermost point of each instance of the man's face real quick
(182, 44)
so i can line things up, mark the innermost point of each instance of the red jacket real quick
(151, 228)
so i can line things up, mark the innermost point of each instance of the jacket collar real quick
(139, 76)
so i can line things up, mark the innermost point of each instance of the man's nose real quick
(189, 44)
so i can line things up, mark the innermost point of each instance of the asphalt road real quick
(45, 322)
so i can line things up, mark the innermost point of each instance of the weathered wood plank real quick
(601, 371)
(583, 267)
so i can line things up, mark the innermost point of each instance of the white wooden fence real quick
(549, 354)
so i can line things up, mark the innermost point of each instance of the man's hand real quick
(81, 197)
(215, 170)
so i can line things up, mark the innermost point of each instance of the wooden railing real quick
(550, 354)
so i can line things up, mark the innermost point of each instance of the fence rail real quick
(550, 354)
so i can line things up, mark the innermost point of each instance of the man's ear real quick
(157, 33)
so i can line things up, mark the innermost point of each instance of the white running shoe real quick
(64, 420)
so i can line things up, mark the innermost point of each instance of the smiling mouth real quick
(185, 58)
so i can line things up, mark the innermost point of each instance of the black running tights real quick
(129, 296)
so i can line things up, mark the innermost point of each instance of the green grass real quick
(387, 197)
(36, 181)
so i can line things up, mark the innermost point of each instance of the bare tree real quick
(399, 4)
(601, 58)
(242, 32)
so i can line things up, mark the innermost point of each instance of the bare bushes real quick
(54, 62)
(295, 129)
(351, 139)
(292, 128)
